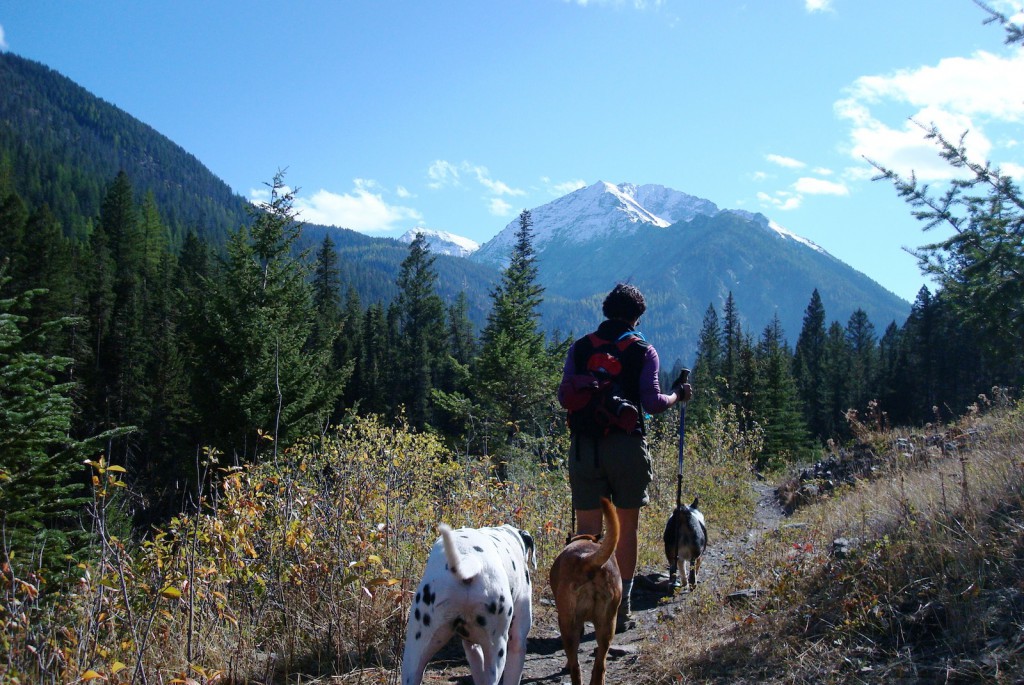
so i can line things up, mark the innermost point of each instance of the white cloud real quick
(499, 207)
(496, 187)
(956, 95)
(818, 5)
(566, 187)
(361, 209)
(402, 192)
(3, 40)
(441, 174)
(787, 162)
(782, 200)
(818, 186)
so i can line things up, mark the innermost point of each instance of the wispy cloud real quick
(781, 200)
(3, 40)
(956, 95)
(563, 188)
(444, 174)
(363, 209)
(499, 207)
(787, 162)
(819, 186)
(818, 5)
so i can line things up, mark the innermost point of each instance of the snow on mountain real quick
(442, 242)
(604, 209)
(783, 232)
(596, 211)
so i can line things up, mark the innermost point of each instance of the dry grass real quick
(926, 583)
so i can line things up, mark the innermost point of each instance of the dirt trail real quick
(545, 660)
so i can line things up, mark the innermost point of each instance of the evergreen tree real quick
(348, 347)
(421, 341)
(259, 376)
(777, 404)
(515, 372)
(41, 494)
(707, 371)
(808, 361)
(860, 338)
(892, 382)
(329, 325)
(732, 346)
(836, 365)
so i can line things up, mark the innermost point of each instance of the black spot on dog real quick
(417, 597)
(481, 621)
(478, 548)
(418, 635)
(501, 652)
(417, 614)
(527, 576)
(492, 608)
(514, 565)
(428, 596)
(510, 611)
(426, 620)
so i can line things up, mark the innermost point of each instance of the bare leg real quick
(588, 522)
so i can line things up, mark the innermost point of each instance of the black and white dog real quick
(686, 537)
(476, 585)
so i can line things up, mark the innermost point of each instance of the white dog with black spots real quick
(476, 585)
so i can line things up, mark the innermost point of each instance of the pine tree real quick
(836, 365)
(41, 494)
(808, 370)
(515, 372)
(732, 345)
(259, 376)
(707, 371)
(860, 337)
(421, 342)
(777, 404)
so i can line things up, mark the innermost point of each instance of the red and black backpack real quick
(608, 398)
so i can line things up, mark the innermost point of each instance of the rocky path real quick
(545, 660)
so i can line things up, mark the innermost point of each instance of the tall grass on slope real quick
(914, 576)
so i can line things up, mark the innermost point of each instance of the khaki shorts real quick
(619, 469)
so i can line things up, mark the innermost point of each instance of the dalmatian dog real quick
(476, 585)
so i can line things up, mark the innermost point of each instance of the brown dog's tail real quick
(610, 539)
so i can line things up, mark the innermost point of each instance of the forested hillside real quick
(60, 146)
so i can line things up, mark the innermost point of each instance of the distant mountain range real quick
(684, 253)
(62, 146)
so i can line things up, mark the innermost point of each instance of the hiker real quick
(609, 381)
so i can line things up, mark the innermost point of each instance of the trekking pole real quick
(683, 377)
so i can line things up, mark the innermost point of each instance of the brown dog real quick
(587, 587)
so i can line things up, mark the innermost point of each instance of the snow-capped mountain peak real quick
(443, 242)
(599, 210)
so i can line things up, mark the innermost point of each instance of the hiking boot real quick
(624, 622)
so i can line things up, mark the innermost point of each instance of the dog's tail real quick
(611, 536)
(465, 568)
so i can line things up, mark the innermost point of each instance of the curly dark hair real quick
(624, 302)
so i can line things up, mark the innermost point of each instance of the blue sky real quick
(455, 116)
